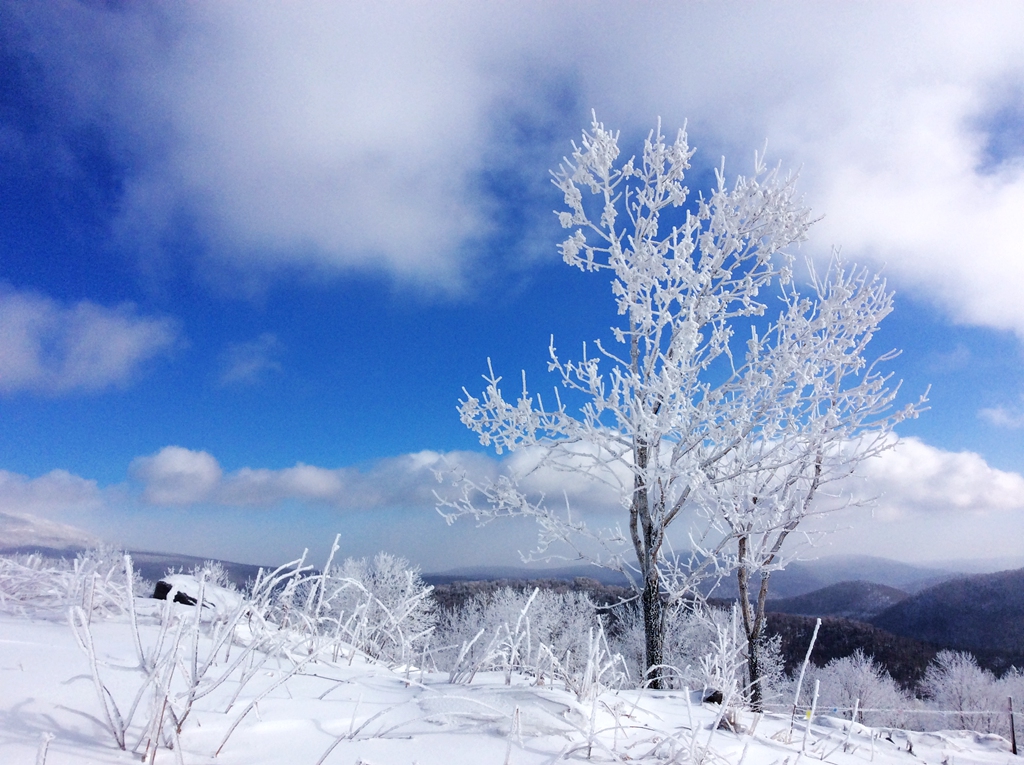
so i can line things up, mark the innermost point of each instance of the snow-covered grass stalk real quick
(112, 715)
(44, 745)
(512, 644)
(810, 715)
(466, 668)
(602, 669)
(95, 580)
(803, 671)
(285, 677)
(723, 666)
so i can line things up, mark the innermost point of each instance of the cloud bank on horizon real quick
(929, 504)
(333, 137)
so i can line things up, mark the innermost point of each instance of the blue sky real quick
(250, 256)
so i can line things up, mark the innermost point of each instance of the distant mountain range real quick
(904, 658)
(802, 577)
(798, 578)
(983, 613)
(858, 600)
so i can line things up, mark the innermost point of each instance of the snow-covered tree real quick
(820, 410)
(955, 682)
(857, 680)
(681, 420)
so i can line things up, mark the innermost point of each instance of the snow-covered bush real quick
(955, 682)
(1012, 684)
(704, 649)
(844, 681)
(212, 571)
(381, 607)
(544, 634)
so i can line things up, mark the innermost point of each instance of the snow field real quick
(337, 667)
(380, 716)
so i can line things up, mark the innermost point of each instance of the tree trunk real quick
(753, 621)
(754, 670)
(654, 630)
(646, 544)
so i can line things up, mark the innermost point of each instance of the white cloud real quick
(335, 136)
(177, 476)
(50, 347)
(1002, 417)
(932, 506)
(247, 362)
(56, 492)
(887, 108)
(915, 478)
(327, 137)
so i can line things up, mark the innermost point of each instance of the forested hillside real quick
(983, 614)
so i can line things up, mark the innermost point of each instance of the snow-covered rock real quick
(220, 599)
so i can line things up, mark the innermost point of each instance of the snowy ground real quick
(378, 716)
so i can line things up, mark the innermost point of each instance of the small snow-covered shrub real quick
(214, 573)
(381, 607)
(843, 681)
(1012, 684)
(539, 633)
(773, 668)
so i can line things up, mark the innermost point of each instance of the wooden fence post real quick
(1013, 733)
